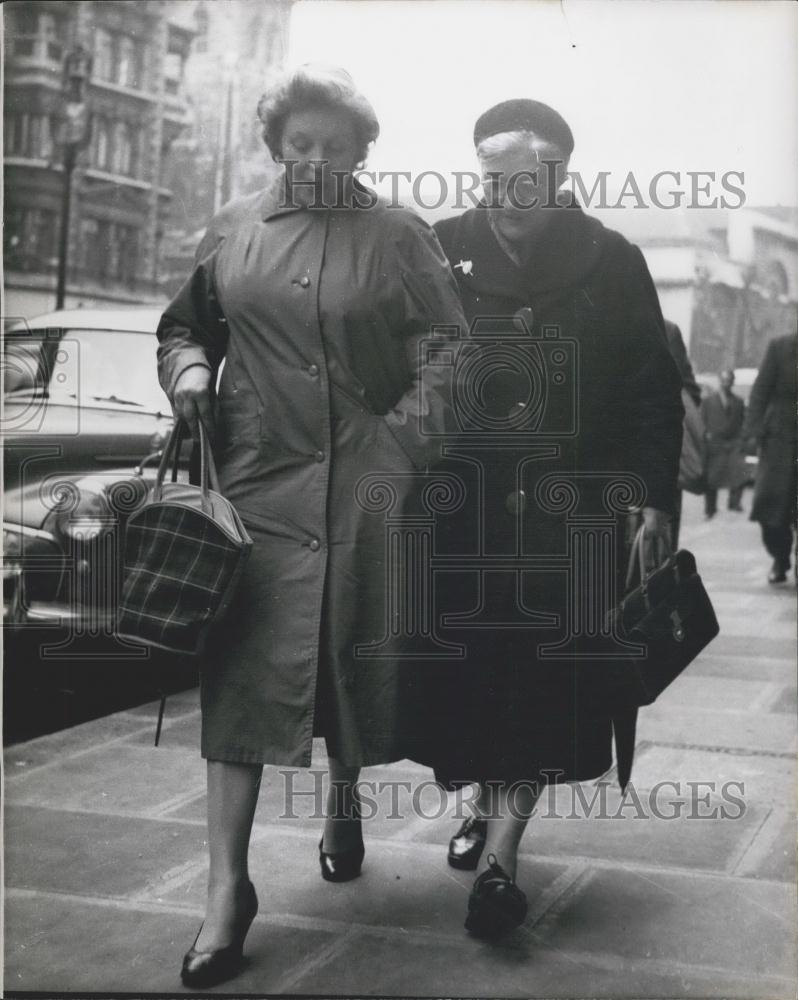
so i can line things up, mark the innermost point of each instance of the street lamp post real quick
(77, 68)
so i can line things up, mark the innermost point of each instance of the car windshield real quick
(98, 368)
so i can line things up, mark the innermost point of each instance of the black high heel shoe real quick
(467, 845)
(496, 904)
(202, 969)
(342, 866)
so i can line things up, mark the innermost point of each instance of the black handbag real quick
(669, 614)
(184, 551)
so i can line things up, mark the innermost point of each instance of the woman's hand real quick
(192, 397)
(657, 522)
(657, 538)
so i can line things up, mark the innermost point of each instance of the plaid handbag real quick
(184, 551)
(670, 615)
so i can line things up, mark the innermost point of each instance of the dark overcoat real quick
(570, 408)
(723, 426)
(771, 420)
(318, 316)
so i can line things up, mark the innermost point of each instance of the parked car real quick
(83, 421)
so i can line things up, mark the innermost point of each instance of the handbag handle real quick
(638, 551)
(171, 453)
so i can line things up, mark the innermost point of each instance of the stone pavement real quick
(105, 851)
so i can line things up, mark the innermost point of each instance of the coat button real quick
(526, 315)
(304, 281)
(315, 545)
(320, 456)
(313, 370)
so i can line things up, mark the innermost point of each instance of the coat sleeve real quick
(651, 391)
(192, 330)
(431, 312)
(679, 354)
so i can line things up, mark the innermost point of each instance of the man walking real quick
(771, 423)
(723, 414)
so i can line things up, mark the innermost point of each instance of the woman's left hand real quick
(657, 540)
(657, 522)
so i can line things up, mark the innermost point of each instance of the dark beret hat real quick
(527, 116)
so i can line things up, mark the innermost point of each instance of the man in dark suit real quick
(771, 423)
(723, 415)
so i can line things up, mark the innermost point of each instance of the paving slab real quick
(179, 732)
(367, 965)
(24, 757)
(93, 854)
(779, 670)
(762, 732)
(773, 853)
(124, 949)
(765, 778)
(177, 704)
(668, 916)
(745, 644)
(130, 779)
(722, 694)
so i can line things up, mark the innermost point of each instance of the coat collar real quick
(568, 252)
(274, 198)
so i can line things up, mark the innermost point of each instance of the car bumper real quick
(20, 614)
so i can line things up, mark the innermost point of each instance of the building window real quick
(117, 58)
(103, 54)
(17, 128)
(36, 35)
(126, 239)
(23, 30)
(127, 62)
(92, 252)
(110, 250)
(30, 136)
(50, 28)
(121, 149)
(115, 147)
(29, 239)
(100, 142)
(41, 140)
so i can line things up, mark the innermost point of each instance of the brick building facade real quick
(137, 108)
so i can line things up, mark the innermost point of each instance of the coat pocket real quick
(239, 420)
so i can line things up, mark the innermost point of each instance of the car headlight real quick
(22, 543)
(33, 565)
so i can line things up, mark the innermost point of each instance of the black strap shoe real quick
(343, 866)
(202, 969)
(496, 904)
(467, 845)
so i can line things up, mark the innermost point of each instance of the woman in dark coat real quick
(771, 423)
(317, 305)
(570, 409)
